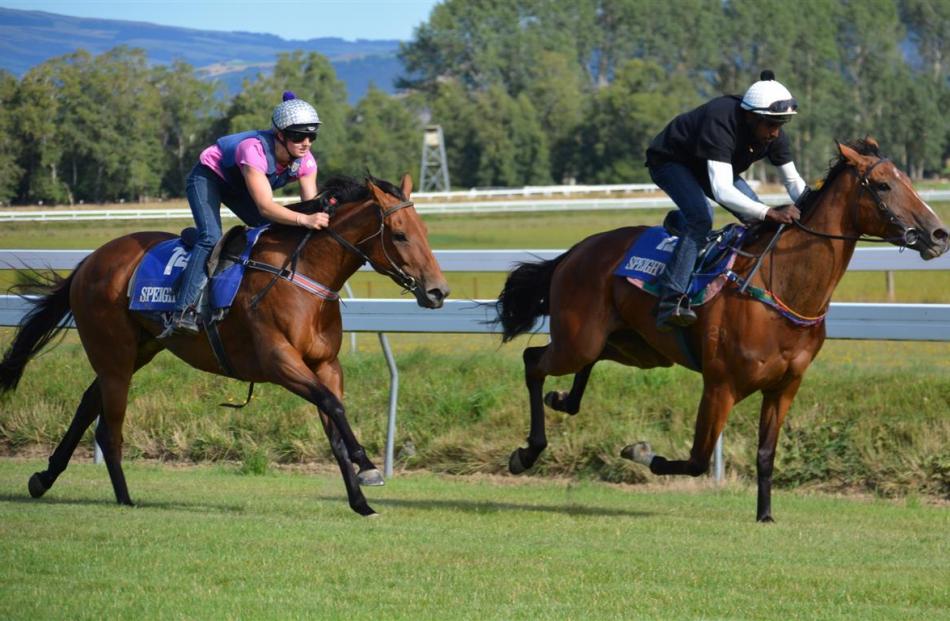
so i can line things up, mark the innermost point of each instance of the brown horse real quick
(739, 344)
(275, 331)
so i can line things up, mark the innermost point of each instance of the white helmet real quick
(770, 99)
(295, 114)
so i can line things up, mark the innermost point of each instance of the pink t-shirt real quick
(251, 152)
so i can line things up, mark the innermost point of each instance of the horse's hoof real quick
(554, 398)
(371, 478)
(766, 519)
(640, 452)
(514, 462)
(364, 509)
(36, 486)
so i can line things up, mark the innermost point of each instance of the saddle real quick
(152, 288)
(649, 255)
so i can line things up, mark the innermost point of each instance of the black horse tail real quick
(525, 297)
(48, 317)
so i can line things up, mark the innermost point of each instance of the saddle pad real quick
(157, 277)
(649, 254)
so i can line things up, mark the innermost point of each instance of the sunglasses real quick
(780, 107)
(296, 137)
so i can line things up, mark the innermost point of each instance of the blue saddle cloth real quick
(649, 255)
(155, 285)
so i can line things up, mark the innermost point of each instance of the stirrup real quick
(674, 311)
(185, 322)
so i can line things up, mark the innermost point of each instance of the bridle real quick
(908, 236)
(288, 271)
(395, 272)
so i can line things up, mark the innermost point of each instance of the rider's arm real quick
(260, 190)
(721, 180)
(792, 181)
(308, 186)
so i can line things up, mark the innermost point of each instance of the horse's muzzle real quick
(932, 244)
(433, 297)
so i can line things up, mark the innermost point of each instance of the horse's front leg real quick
(331, 375)
(714, 408)
(775, 405)
(524, 458)
(293, 374)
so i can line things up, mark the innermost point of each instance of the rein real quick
(288, 271)
(404, 280)
(908, 236)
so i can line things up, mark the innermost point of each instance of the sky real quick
(288, 19)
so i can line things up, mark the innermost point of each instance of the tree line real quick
(526, 91)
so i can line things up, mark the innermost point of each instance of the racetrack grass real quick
(870, 416)
(208, 543)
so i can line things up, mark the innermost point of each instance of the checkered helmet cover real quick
(296, 114)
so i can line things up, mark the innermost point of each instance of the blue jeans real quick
(679, 183)
(206, 191)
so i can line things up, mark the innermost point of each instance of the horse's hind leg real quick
(115, 376)
(523, 458)
(570, 402)
(89, 408)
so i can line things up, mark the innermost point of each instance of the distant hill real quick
(28, 38)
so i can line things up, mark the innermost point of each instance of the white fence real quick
(528, 204)
(914, 322)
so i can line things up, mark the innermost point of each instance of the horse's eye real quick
(882, 187)
(399, 236)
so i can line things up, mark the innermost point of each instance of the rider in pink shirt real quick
(242, 171)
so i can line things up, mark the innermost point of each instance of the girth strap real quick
(214, 339)
(291, 276)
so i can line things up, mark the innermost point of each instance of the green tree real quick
(189, 110)
(556, 89)
(10, 146)
(624, 119)
(38, 117)
(384, 137)
(455, 111)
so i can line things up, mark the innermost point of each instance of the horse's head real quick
(401, 250)
(887, 205)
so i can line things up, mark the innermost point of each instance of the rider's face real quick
(296, 149)
(765, 131)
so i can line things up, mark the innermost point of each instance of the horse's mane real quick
(863, 146)
(345, 189)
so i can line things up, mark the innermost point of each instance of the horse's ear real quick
(406, 185)
(854, 158)
(378, 194)
(872, 142)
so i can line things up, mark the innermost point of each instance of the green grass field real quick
(208, 543)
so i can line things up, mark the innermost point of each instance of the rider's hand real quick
(317, 220)
(786, 214)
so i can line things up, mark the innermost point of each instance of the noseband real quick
(395, 272)
(908, 236)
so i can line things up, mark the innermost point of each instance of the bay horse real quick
(739, 344)
(275, 331)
